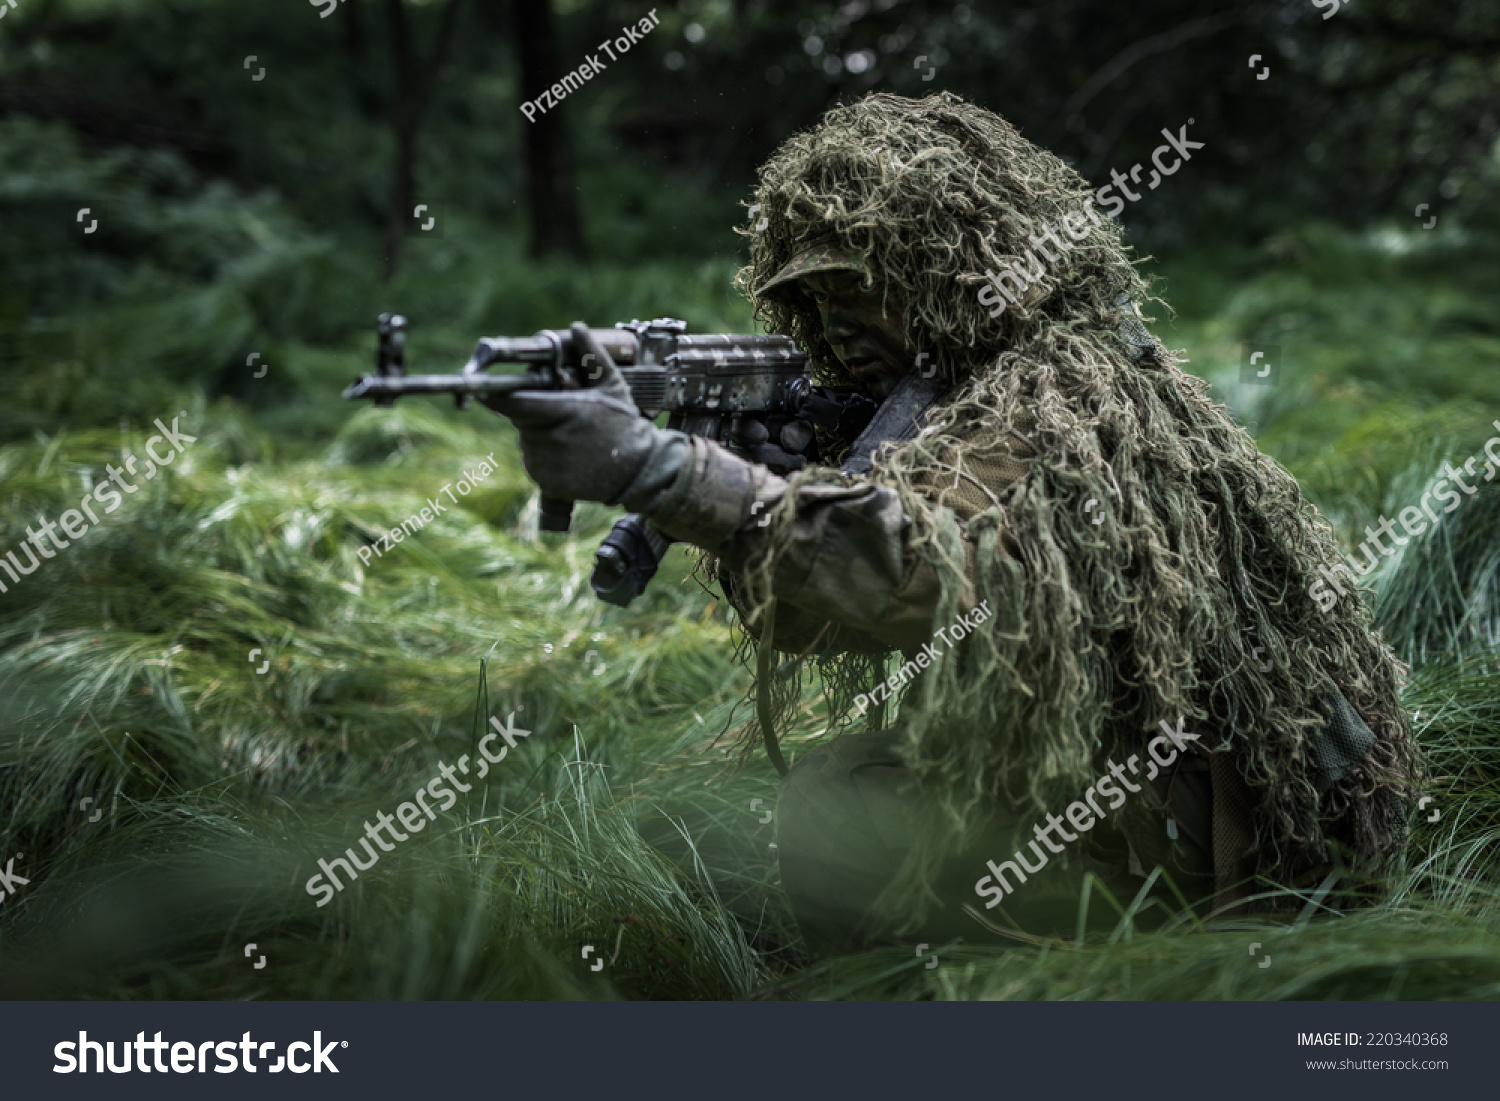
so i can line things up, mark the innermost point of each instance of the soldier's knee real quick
(827, 791)
(809, 792)
(831, 853)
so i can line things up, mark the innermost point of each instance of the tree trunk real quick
(413, 92)
(551, 189)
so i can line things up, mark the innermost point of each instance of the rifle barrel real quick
(394, 386)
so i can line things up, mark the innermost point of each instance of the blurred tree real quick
(551, 187)
(1364, 111)
(414, 84)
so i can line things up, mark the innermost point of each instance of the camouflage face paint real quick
(866, 329)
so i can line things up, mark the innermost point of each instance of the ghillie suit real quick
(1168, 610)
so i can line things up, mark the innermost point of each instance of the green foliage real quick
(238, 218)
(1389, 341)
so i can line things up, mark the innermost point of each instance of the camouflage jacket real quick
(845, 579)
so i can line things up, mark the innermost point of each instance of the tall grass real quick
(171, 802)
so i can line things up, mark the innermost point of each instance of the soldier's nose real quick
(839, 327)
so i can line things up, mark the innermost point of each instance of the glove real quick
(583, 445)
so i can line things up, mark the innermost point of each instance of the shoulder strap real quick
(898, 419)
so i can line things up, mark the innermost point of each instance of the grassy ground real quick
(168, 802)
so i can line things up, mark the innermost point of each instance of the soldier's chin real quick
(875, 376)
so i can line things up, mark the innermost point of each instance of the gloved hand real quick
(582, 445)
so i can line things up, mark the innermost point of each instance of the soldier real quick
(1087, 568)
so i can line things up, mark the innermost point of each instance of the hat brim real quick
(823, 255)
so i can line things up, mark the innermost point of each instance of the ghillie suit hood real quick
(1100, 631)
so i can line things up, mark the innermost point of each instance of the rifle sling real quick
(899, 418)
(763, 651)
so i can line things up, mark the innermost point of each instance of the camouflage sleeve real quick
(845, 578)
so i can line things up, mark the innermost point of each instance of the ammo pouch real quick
(1340, 745)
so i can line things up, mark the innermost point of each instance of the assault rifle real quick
(752, 393)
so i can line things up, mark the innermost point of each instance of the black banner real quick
(718, 1050)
